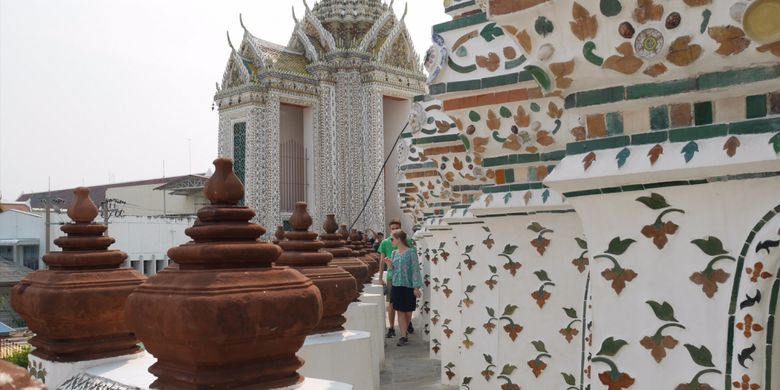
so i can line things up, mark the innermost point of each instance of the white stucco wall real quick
(396, 113)
(143, 200)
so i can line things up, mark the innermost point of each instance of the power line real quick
(378, 176)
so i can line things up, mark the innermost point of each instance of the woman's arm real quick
(414, 264)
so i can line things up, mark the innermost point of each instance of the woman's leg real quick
(403, 319)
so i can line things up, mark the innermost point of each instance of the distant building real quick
(166, 196)
(21, 235)
(313, 120)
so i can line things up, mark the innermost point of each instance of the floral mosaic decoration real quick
(710, 277)
(536, 365)
(540, 295)
(614, 379)
(703, 358)
(470, 263)
(489, 325)
(488, 372)
(540, 242)
(511, 328)
(618, 275)
(659, 229)
(493, 280)
(582, 261)
(569, 332)
(511, 265)
(506, 371)
(658, 343)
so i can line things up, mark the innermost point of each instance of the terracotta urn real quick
(225, 318)
(359, 251)
(301, 250)
(76, 308)
(342, 256)
(278, 234)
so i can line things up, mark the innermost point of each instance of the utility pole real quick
(110, 207)
(165, 212)
(189, 147)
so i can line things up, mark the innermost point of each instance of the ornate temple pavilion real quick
(314, 120)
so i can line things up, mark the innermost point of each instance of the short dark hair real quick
(380, 234)
(394, 222)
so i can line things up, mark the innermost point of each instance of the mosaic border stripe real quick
(685, 134)
(702, 82)
(648, 186)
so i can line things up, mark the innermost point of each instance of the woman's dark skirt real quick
(403, 299)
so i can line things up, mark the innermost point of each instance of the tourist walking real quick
(386, 249)
(406, 283)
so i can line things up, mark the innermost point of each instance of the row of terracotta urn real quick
(229, 312)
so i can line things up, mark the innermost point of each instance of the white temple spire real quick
(229, 42)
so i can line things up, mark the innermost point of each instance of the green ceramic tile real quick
(614, 123)
(459, 6)
(610, 190)
(495, 161)
(775, 293)
(571, 101)
(497, 81)
(770, 329)
(632, 187)
(509, 174)
(755, 106)
(660, 89)
(702, 113)
(601, 96)
(697, 133)
(438, 138)
(575, 194)
(419, 98)
(466, 85)
(735, 77)
(755, 126)
(655, 137)
(531, 176)
(460, 23)
(553, 156)
(659, 117)
(437, 89)
(666, 184)
(768, 370)
(597, 144)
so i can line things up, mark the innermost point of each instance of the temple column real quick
(373, 157)
(262, 167)
(225, 137)
(325, 160)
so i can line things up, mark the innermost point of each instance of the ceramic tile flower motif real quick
(613, 378)
(512, 329)
(618, 275)
(467, 301)
(511, 265)
(659, 230)
(488, 372)
(537, 365)
(702, 357)
(569, 332)
(582, 261)
(540, 295)
(489, 325)
(492, 281)
(506, 371)
(659, 343)
(467, 343)
(710, 277)
(470, 263)
(540, 242)
(448, 370)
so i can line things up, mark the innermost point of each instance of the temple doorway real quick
(294, 158)
(396, 114)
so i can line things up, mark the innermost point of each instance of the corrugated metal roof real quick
(11, 273)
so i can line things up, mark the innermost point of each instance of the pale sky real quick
(99, 91)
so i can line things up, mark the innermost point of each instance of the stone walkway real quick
(409, 367)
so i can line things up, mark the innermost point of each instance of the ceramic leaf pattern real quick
(618, 275)
(659, 230)
(658, 344)
(710, 277)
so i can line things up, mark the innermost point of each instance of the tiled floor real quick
(409, 368)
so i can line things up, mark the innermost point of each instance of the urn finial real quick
(224, 187)
(330, 225)
(83, 209)
(300, 219)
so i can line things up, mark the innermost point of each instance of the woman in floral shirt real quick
(406, 283)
